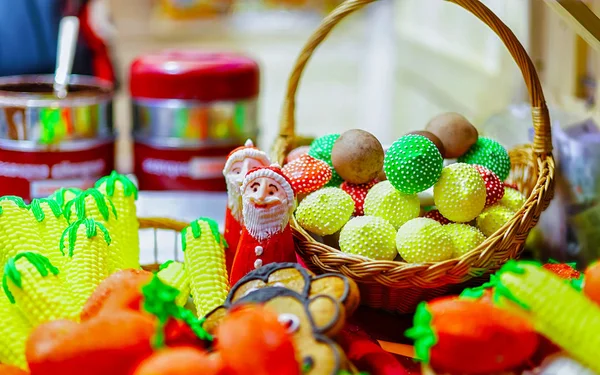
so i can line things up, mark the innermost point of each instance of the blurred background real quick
(388, 69)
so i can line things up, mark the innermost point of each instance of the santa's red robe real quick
(232, 234)
(252, 254)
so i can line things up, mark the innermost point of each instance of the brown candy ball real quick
(433, 138)
(455, 132)
(357, 156)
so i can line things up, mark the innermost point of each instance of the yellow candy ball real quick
(493, 218)
(423, 240)
(460, 193)
(464, 238)
(384, 201)
(512, 199)
(369, 236)
(325, 211)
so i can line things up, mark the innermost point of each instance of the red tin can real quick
(190, 109)
(47, 143)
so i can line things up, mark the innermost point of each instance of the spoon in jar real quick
(67, 43)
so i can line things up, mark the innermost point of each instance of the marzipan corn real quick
(204, 254)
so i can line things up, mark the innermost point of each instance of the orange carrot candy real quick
(110, 344)
(468, 337)
(591, 286)
(251, 340)
(180, 361)
(122, 287)
(11, 370)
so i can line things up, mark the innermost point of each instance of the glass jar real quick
(190, 109)
(47, 143)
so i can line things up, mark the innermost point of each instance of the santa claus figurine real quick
(268, 203)
(239, 162)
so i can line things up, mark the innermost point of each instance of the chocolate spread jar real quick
(47, 143)
(190, 109)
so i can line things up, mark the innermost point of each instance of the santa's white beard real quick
(263, 223)
(234, 200)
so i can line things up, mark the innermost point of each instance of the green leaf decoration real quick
(500, 290)
(59, 195)
(577, 284)
(422, 333)
(165, 265)
(18, 201)
(197, 231)
(159, 300)
(91, 230)
(38, 212)
(110, 182)
(80, 205)
(40, 262)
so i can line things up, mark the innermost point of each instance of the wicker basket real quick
(399, 286)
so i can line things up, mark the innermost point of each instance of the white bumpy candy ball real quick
(464, 238)
(325, 211)
(369, 236)
(384, 201)
(460, 193)
(423, 240)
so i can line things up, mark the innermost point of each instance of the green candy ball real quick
(369, 236)
(320, 149)
(384, 201)
(460, 193)
(490, 154)
(325, 211)
(413, 164)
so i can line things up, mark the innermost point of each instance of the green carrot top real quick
(11, 272)
(101, 201)
(110, 183)
(91, 230)
(159, 300)
(197, 231)
(423, 333)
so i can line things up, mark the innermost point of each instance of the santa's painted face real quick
(239, 169)
(264, 193)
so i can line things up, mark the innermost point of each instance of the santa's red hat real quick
(248, 150)
(274, 172)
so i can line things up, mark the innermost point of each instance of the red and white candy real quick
(307, 174)
(358, 192)
(437, 216)
(494, 188)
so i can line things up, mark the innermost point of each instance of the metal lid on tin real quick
(194, 75)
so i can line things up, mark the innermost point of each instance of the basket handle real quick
(542, 139)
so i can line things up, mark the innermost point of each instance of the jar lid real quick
(194, 75)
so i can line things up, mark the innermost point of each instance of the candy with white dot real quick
(493, 218)
(325, 211)
(413, 164)
(491, 155)
(384, 201)
(512, 199)
(464, 238)
(460, 193)
(369, 236)
(423, 240)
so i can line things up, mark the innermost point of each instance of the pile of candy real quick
(406, 203)
(74, 299)
(529, 319)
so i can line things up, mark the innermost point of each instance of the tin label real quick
(35, 174)
(180, 169)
